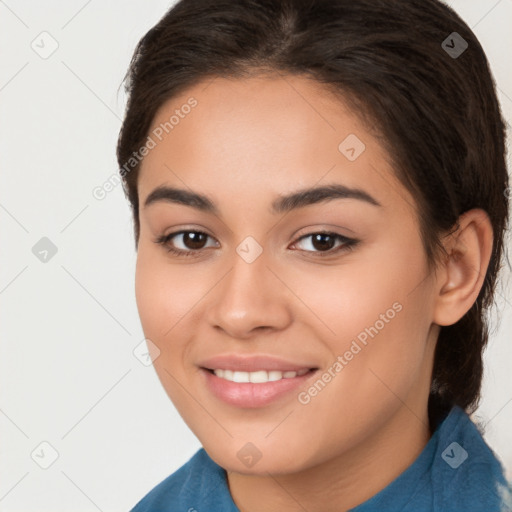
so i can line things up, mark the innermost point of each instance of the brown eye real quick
(326, 243)
(323, 242)
(184, 243)
(194, 239)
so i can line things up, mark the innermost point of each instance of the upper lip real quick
(237, 362)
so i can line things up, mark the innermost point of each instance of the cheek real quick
(165, 298)
(380, 314)
(163, 292)
(384, 364)
(150, 295)
(169, 300)
(159, 303)
(364, 294)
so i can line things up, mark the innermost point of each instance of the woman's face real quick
(333, 331)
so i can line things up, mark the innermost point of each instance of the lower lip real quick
(249, 394)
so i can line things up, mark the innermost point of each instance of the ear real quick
(461, 276)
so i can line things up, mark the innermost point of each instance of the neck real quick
(342, 482)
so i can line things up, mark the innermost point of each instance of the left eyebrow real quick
(282, 204)
(309, 196)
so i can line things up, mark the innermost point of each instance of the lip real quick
(248, 394)
(252, 363)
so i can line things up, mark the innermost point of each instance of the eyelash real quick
(347, 245)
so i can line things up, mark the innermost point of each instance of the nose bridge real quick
(249, 295)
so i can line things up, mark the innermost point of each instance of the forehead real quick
(261, 134)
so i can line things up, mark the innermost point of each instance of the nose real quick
(251, 297)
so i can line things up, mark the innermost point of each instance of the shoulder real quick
(197, 483)
(466, 470)
(456, 472)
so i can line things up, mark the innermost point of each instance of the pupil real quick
(322, 245)
(192, 240)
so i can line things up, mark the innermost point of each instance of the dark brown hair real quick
(432, 100)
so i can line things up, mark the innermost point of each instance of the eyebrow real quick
(284, 203)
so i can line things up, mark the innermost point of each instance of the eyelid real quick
(330, 229)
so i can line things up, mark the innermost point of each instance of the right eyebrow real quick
(181, 196)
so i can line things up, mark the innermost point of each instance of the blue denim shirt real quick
(456, 471)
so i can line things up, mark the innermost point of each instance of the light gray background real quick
(68, 375)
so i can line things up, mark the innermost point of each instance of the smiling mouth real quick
(259, 376)
(258, 387)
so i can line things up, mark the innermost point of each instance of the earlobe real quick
(468, 252)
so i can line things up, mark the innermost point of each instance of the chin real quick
(252, 459)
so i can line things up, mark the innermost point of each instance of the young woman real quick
(319, 196)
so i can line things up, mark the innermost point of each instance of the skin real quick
(247, 142)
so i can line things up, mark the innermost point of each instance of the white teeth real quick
(240, 377)
(259, 376)
(275, 375)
